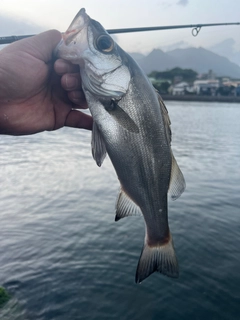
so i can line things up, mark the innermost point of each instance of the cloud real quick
(227, 49)
(14, 26)
(182, 3)
(176, 45)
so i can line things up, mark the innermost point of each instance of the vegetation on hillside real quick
(161, 86)
(187, 75)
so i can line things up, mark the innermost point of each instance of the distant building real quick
(237, 91)
(234, 83)
(206, 87)
(211, 75)
(180, 88)
(207, 76)
(225, 79)
(229, 88)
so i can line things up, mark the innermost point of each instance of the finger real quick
(78, 98)
(71, 81)
(62, 66)
(78, 119)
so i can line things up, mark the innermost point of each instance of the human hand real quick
(36, 94)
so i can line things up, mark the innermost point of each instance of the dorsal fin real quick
(177, 183)
(166, 118)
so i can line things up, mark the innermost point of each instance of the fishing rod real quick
(195, 30)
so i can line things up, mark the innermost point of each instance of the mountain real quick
(198, 59)
(156, 58)
(202, 60)
(177, 45)
(137, 56)
(226, 49)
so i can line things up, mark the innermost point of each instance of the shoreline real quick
(200, 98)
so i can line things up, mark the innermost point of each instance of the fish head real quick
(103, 70)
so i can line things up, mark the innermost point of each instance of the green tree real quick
(187, 75)
(162, 87)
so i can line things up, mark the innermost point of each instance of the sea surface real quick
(62, 256)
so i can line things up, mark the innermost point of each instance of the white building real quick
(198, 84)
(179, 89)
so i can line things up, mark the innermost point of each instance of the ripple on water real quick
(63, 257)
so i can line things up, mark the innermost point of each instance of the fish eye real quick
(105, 43)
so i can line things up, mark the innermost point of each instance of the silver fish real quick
(131, 124)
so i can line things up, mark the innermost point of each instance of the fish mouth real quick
(80, 21)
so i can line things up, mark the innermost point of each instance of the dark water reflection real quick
(63, 257)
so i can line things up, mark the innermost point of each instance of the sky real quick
(33, 16)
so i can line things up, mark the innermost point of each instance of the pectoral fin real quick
(177, 182)
(125, 206)
(98, 145)
(122, 117)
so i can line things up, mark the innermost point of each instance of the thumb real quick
(42, 45)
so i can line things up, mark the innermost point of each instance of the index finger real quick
(62, 66)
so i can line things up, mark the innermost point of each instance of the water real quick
(62, 256)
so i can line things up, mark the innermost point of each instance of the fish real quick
(131, 124)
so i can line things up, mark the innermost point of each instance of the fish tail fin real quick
(160, 258)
